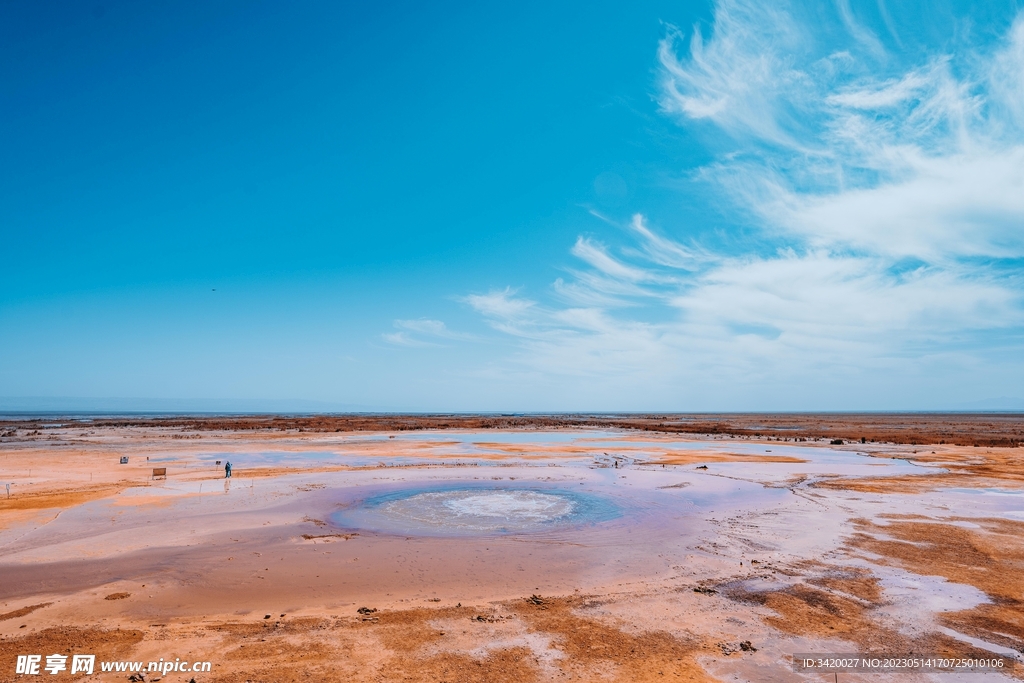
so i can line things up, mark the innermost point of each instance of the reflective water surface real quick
(475, 510)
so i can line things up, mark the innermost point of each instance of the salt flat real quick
(570, 553)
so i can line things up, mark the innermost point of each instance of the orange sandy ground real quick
(633, 631)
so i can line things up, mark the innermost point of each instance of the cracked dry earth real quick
(728, 556)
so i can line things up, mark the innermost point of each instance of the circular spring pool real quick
(470, 511)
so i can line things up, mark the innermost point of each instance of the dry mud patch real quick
(989, 557)
(516, 641)
(106, 644)
(468, 644)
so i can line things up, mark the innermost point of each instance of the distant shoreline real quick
(990, 428)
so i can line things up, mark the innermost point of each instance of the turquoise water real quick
(462, 509)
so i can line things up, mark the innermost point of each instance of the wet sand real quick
(727, 554)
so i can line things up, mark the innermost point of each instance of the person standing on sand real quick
(227, 470)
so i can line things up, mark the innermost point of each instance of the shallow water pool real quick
(473, 510)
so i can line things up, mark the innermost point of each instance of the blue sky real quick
(538, 207)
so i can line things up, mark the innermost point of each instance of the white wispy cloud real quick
(404, 339)
(597, 256)
(744, 78)
(890, 197)
(666, 252)
(433, 328)
(423, 332)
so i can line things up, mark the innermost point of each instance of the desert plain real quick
(512, 548)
